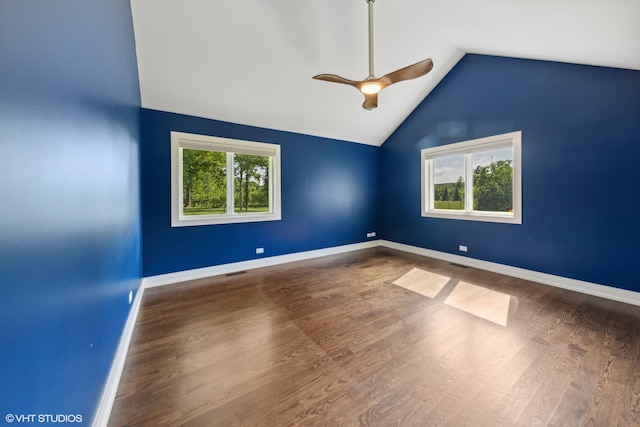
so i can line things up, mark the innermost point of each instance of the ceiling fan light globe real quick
(370, 87)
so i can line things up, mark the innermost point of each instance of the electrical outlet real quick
(371, 234)
(259, 250)
(463, 248)
(130, 296)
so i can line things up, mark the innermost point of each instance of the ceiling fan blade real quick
(413, 71)
(370, 101)
(336, 79)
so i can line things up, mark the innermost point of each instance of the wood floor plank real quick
(333, 342)
(485, 403)
(478, 372)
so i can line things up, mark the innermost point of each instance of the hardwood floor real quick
(333, 342)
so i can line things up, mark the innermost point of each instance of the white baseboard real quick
(200, 273)
(101, 417)
(603, 291)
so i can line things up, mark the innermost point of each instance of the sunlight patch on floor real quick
(422, 282)
(482, 302)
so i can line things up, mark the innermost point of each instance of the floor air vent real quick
(235, 273)
(458, 265)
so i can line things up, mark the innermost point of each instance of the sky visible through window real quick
(449, 169)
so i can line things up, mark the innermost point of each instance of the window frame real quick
(467, 149)
(180, 140)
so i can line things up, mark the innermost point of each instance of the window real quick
(221, 181)
(474, 180)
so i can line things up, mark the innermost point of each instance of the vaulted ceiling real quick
(251, 61)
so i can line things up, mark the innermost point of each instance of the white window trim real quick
(467, 148)
(187, 140)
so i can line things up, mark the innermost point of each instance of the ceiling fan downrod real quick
(370, 6)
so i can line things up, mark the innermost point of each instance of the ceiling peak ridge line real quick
(372, 85)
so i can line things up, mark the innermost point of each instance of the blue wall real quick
(329, 194)
(581, 145)
(69, 200)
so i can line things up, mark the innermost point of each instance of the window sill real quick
(187, 221)
(507, 218)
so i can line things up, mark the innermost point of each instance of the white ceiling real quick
(251, 61)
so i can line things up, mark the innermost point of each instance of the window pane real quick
(487, 172)
(251, 183)
(204, 182)
(223, 181)
(493, 180)
(448, 191)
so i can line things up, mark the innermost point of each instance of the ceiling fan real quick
(370, 86)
